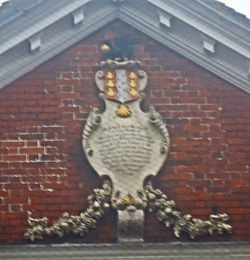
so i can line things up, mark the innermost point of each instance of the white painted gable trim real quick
(218, 43)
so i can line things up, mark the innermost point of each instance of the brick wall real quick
(43, 168)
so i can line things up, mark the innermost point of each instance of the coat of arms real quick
(124, 143)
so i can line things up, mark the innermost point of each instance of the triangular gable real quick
(191, 28)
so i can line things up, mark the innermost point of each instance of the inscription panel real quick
(125, 149)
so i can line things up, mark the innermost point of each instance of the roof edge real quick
(171, 23)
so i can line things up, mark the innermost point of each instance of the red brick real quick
(15, 230)
(15, 222)
(16, 186)
(32, 137)
(15, 171)
(31, 143)
(32, 150)
(238, 211)
(200, 212)
(200, 204)
(181, 176)
(13, 158)
(12, 144)
(217, 183)
(237, 182)
(36, 207)
(16, 200)
(218, 189)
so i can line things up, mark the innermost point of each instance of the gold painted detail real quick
(133, 92)
(111, 92)
(132, 75)
(129, 200)
(132, 83)
(110, 84)
(105, 48)
(110, 75)
(99, 203)
(123, 111)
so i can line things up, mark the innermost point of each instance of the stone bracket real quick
(208, 44)
(165, 19)
(35, 42)
(78, 16)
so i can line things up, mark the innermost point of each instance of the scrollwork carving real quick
(156, 119)
(141, 74)
(100, 74)
(93, 121)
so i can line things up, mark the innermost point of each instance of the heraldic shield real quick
(124, 143)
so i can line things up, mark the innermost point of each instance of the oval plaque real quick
(123, 142)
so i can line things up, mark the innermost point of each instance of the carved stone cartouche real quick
(126, 144)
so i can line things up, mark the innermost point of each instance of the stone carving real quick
(93, 122)
(128, 145)
(155, 119)
(99, 203)
(130, 225)
(163, 209)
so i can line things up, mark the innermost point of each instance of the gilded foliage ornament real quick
(165, 212)
(99, 203)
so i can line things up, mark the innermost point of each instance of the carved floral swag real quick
(99, 203)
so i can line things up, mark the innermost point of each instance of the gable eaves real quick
(179, 25)
(47, 31)
(190, 28)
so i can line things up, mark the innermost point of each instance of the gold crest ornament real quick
(133, 92)
(129, 200)
(111, 92)
(123, 111)
(105, 48)
(110, 75)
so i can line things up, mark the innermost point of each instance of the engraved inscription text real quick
(125, 149)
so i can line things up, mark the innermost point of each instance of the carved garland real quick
(163, 209)
(99, 203)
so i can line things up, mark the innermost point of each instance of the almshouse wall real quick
(43, 168)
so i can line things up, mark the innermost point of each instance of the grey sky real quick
(241, 6)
